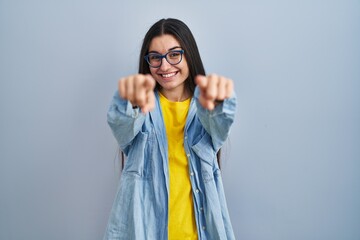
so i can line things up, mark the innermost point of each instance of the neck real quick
(175, 96)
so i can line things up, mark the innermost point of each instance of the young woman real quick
(171, 120)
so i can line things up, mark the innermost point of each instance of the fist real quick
(213, 89)
(139, 90)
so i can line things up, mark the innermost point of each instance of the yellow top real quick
(182, 225)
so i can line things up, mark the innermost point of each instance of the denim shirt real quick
(140, 208)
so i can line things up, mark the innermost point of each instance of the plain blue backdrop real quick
(291, 167)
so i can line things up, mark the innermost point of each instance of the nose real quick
(165, 65)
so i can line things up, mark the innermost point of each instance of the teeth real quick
(168, 75)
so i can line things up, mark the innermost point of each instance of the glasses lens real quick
(154, 59)
(174, 57)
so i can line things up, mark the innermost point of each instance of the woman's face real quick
(170, 77)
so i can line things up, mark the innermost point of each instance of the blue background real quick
(291, 167)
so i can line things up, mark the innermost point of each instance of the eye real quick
(174, 54)
(154, 57)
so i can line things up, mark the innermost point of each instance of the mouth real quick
(168, 75)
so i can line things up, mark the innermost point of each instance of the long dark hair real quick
(182, 33)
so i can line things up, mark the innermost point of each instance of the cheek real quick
(153, 71)
(185, 70)
(185, 66)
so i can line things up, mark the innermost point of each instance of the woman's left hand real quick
(213, 89)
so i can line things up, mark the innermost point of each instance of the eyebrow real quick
(170, 49)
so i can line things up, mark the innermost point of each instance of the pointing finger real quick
(150, 102)
(211, 90)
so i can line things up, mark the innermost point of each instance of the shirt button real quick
(201, 209)
(188, 155)
(197, 190)
(203, 227)
(136, 113)
(185, 137)
(192, 174)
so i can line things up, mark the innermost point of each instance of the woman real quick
(170, 120)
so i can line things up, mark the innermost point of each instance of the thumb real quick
(149, 82)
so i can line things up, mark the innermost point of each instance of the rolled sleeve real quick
(124, 121)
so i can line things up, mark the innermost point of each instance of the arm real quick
(124, 120)
(216, 105)
(217, 122)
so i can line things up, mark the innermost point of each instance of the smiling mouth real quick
(168, 75)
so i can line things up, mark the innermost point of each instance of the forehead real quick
(163, 43)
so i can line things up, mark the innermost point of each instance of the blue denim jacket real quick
(140, 208)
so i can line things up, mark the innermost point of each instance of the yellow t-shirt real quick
(182, 224)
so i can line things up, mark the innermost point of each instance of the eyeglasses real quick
(172, 57)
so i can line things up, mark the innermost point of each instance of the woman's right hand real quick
(139, 90)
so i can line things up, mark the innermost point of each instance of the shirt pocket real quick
(204, 150)
(138, 161)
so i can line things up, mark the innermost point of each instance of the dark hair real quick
(182, 33)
